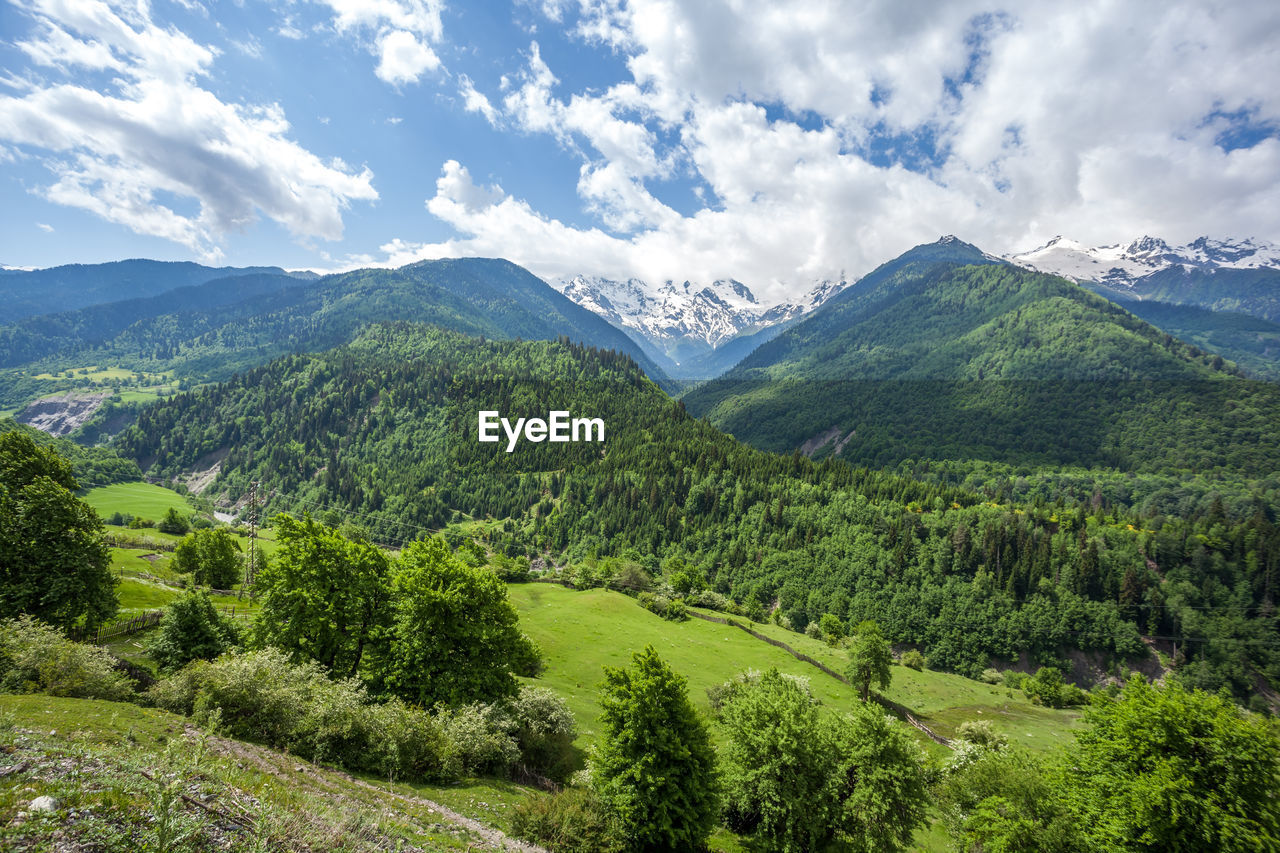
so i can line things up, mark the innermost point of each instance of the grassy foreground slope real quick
(108, 765)
(581, 632)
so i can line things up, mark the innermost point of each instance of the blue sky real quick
(775, 143)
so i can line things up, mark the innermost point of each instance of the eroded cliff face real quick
(61, 414)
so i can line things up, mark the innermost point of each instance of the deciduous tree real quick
(654, 767)
(870, 660)
(54, 564)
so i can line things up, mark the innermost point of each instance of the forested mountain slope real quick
(200, 335)
(27, 293)
(951, 361)
(383, 432)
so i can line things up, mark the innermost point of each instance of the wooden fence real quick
(143, 621)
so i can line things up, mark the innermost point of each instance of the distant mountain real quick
(37, 337)
(693, 331)
(476, 296)
(1251, 342)
(26, 293)
(1223, 275)
(947, 353)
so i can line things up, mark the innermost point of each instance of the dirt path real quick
(267, 761)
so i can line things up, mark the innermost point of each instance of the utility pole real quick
(251, 566)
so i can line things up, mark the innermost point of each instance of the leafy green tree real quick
(174, 522)
(324, 597)
(211, 557)
(1047, 687)
(1006, 800)
(832, 628)
(1170, 769)
(453, 635)
(654, 767)
(870, 659)
(802, 780)
(778, 764)
(191, 629)
(54, 564)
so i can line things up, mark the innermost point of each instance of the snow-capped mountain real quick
(1122, 265)
(685, 321)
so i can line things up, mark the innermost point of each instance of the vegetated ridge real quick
(383, 431)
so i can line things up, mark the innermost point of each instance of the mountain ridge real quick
(686, 327)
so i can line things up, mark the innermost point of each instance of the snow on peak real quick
(709, 314)
(1122, 264)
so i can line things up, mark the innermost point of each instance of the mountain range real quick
(692, 331)
(211, 330)
(949, 353)
(1240, 276)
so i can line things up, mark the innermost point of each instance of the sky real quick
(776, 143)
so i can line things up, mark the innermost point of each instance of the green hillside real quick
(1251, 342)
(382, 433)
(960, 362)
(107, 765)
(211, 338)
(581, 632)
(1255, 292)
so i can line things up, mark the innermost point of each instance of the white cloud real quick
(825, 138)
(475, 101)
(139, 150)
(401, 32)
(45, 227)
(403, 59)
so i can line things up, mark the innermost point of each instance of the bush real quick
(263, 697)
(482, 745)
(571, 821)
(673, 609)
(912, 659)
(174, 523)
(36, 658)
(1048, 688)
(982, 733)
(191, 629)
(990, 675)
(535, 728)
(1014, 679)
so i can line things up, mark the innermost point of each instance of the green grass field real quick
(581, 632)
(943, 700)
(142, 500)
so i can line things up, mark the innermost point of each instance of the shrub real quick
(1014, 679)
(36, 658)
(1048, 688)
(912, 659)
(572, 821)
(479, 739)
(668, 608)
(174, 523)
(265, 698)
(991, 675)
(544, 729)
(982, 733)
(191, 629)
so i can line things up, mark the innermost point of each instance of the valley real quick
(1031, 499)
